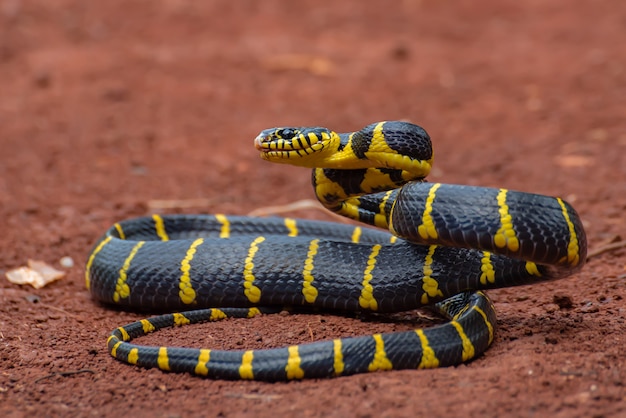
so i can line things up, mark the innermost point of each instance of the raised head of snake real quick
(387, 145)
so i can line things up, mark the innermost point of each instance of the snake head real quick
(297, 146)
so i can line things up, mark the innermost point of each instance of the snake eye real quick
(286, 133)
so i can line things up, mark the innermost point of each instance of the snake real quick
(421, 244)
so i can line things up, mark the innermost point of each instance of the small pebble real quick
(66, 262)
(551, 340)
(551, 308)
(563, 301)
(32, 298)
(41, 318)
(589, 308)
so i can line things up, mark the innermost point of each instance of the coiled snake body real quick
(447, 243)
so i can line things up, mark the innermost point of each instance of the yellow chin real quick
(310, 157)
(292, 157)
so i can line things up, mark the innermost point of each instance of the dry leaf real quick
(37, 274)
(574, 161)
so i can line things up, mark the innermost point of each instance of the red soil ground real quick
(106, 107)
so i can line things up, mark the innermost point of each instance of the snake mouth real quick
(261, 143)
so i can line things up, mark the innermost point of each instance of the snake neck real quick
(398, 146)
(358, 178)
(353, 172)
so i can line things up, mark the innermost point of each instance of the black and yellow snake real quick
(447, 243)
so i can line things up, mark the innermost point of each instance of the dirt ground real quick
(115, 109)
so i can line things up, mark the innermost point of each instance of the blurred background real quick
(136, 100)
